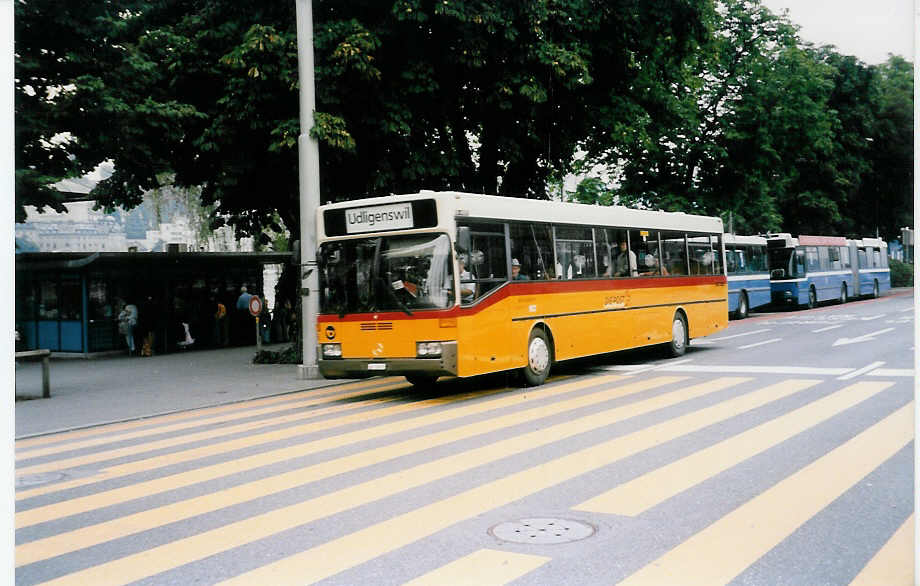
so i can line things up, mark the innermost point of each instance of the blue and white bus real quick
(809, 269)
(748, 275)
(873, 277)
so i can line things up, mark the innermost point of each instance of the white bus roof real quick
(741, 239)
(514, 208)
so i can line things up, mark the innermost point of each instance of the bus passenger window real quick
(674, 253)
(644, 244)
(532, 245)
(574, 253)
(812, 261)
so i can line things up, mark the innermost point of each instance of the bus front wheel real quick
(679, 336)
(843, 294)
(812, 298)
(539, 358)
(875, 292)
(742, 310)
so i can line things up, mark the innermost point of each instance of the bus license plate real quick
(376, 366)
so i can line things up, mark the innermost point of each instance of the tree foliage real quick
(694, 105)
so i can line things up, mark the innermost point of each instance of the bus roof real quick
(822, 240)
(742, 239)
(512, 208)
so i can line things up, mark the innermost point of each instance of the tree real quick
(491, 97)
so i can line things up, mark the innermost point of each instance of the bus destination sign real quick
(379, 218)
(404, 215)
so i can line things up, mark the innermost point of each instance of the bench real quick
(45, 355)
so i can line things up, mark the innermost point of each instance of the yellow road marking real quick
(646, 491)
(223, 447)
(123, 494)
(64, 438)
(486, 566)
(209, 434)
(112, 454)
(721, 551)
(38, 550)
(893, 565)
(428, 520)
(361, 546)
(253, 411)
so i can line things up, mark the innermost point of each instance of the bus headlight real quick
(428, 349)
(332, 350)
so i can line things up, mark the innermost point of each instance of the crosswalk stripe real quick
(893, 564)
(171, 482)
(721, 551)
(162, 558)
(65, 437)
(82, 504)
(87, 536)
(208, 434)
(223, 447)
(254, 411)
(646, 491)
(346, 552)
(486, 566)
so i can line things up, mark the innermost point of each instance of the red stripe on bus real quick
(530, 288)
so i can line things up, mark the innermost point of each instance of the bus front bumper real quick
(445, 365)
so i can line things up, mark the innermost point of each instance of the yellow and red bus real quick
(456, 284)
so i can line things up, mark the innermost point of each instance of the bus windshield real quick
(781, 258)
(386, 273)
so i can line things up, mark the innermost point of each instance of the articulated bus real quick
(809, 269)
(454, 284)
(748, 275)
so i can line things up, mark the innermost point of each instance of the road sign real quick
(255, 305)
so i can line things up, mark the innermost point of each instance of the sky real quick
(868, 29)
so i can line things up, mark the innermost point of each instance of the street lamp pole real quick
(308, 165)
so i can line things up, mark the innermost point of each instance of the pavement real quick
(94, 391)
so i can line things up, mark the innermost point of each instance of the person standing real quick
(127, 320)
(220, 317)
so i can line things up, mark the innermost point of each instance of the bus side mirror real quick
(464, 240)
(777, 273)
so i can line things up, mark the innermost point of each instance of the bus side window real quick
(823, 259)
(487, 262)
(574, 253)
(532, 246)
(863, 264)
(845, 257)
(644, 243)
(758, 259)
(674, 253)
(834, 256)
(813, 264)
(715, 268)
(799, 262)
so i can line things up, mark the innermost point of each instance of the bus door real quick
(483, 331)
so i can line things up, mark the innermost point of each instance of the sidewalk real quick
(87, 392)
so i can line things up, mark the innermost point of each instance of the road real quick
(777, 452)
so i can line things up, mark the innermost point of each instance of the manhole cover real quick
(36, 479)
(542, 530)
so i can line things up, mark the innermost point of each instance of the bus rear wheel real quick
(843, 294)
(680, 337)
(875, 292)
(539, 358)
(742, 310)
